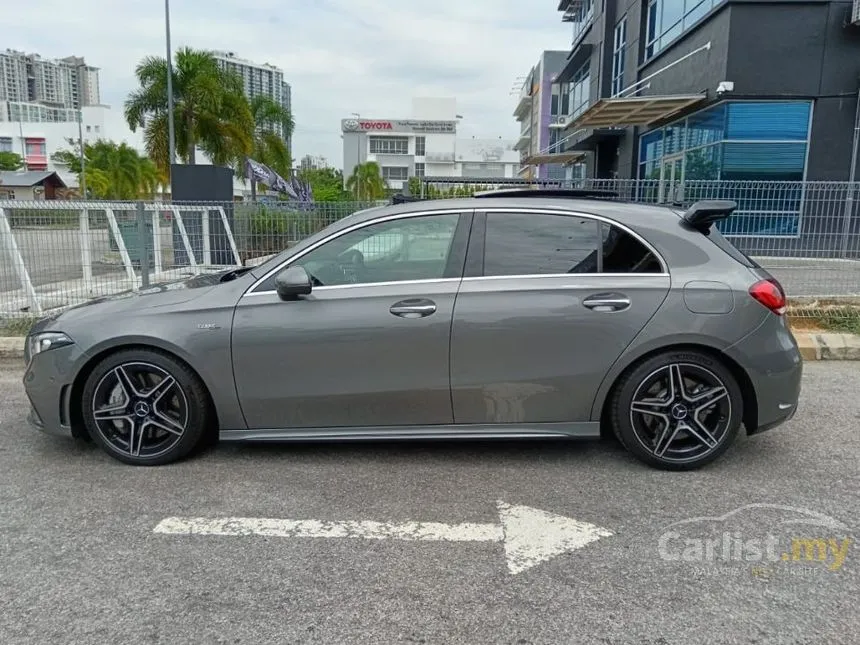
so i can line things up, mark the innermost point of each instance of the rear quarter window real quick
(717, 238)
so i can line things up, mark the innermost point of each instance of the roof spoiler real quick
(702, 215)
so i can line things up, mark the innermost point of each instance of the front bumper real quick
(48, 383)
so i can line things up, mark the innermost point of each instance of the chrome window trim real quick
(389, 283)
(536, 276)
(460, 211)
(561, 211)
(250, 291)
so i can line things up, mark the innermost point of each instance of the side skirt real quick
(583, 430)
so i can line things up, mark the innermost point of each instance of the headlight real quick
(43, 341)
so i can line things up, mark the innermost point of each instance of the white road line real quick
(530, 535)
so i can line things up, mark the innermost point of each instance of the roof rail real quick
(570, 193)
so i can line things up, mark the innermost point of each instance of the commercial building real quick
(712, 89)
(539, 105)
(426, 144)
(259, 80)
(65, 83)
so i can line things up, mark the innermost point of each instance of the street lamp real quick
(171, 134)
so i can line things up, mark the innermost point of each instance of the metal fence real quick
(54, 254)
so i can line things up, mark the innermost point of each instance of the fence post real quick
(186, 242)
(847, 215)
(120, 243)
(144, 252)
(18, 262)
(156, 240)
(86, 251)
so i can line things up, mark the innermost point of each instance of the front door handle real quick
(413, 308)
(607, 302)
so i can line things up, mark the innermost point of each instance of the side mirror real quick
(293, 282)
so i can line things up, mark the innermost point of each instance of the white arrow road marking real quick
(530, 536)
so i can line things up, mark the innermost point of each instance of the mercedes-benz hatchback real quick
(514, 314)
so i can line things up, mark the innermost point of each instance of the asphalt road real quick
(80, 562)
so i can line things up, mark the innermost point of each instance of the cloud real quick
(340, 56)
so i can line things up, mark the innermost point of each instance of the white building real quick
(424, 145)
(37, 141)
(258, 79)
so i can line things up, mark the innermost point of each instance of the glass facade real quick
(578, 91)
(668, 19)
(618, 50)
(737, 141)
(581, 18)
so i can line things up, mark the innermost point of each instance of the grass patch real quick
(843, 322)
(16, 326)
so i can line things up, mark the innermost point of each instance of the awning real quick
(558, 157)
(635, 110)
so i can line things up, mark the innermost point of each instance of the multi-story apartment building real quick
(66, 83)
(425, 145)
(713, 89)
(539, 106)
(259, 80)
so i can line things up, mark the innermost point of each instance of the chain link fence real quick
(55, 254)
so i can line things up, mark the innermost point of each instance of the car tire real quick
(143, 407)
(677, 410)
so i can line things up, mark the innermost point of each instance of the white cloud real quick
(340, 56)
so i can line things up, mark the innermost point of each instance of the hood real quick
(163, 294)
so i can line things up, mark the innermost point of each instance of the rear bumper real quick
(771, 358)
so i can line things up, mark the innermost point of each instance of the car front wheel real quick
(677, 410)
(145, 408)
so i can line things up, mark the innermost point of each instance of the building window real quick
(395, 173)
(419, 170)
(581, 16)
(420, 146)
(389, 145)
(5, 144)
(35, 148)
(579, 91)
(618, 52)
(732, 142)
(668, 19)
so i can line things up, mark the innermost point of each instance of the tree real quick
(10, 161)
(113, 170)
(326, 184)
(270, 146)
(210, 110)
(366, 182)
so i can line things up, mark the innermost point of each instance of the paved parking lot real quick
(81, 562)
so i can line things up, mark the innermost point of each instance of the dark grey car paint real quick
(335, 366)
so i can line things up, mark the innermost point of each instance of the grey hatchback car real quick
(512, 314)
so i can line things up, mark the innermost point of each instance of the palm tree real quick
(210, 110)
(366, 182)
(270, 146)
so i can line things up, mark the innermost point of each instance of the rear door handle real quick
(607, 302)
(413, 308)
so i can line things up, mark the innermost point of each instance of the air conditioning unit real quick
(855, 13)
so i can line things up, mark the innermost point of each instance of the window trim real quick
(664, 270)
(467, 212)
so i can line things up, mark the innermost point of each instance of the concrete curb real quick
(814, 346)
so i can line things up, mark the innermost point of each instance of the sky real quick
(340, 56)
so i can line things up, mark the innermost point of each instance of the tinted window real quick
(527, 244)
(623, 253)
(413, 248)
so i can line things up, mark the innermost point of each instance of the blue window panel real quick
(651, 146)
(769, 120)
(706, 127)
(763, 161)
(703, 164)
(695, 10)
(673, 142)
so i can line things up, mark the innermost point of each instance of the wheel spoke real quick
(111, 413)
(708, 397)
(156, 393)
(676, 382)
(163, 426)
(651, 407)
(125, 382)
(173, 423)
(135, 437)
(700, 432)
(667, 436)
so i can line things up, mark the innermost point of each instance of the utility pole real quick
(83, 157)
(171, 134)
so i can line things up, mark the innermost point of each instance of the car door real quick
(550, 300)
(369, 346)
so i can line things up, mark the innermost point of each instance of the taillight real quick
(769, 293)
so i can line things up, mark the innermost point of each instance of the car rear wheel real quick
(677, 410)
(145, 408)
